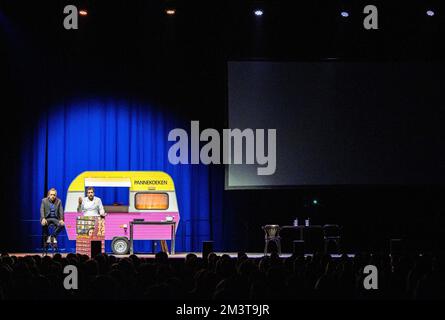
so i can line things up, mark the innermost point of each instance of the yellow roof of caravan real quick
(135, 180)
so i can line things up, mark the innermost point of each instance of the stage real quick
(181, 255)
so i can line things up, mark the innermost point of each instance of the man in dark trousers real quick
(51, 213)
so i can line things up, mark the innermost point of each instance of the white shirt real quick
(91, 208)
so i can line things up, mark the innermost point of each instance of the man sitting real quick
(51, 213)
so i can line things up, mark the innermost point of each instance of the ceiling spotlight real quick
(83, 12)
(344, 14)
(258, 12)
(170, 12)
(430, 13)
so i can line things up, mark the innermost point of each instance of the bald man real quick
(51, 213)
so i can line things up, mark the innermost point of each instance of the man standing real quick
(51, 213)
(91, 206)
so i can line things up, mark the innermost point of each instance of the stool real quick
(331, 234)
(52, 246)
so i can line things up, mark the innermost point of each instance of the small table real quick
(301, 228)
(173, 226)
(312, 236)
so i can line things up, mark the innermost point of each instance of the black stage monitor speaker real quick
(96, 248)
(207, 248)
(395, 246)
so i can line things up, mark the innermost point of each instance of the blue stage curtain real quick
(112, 134)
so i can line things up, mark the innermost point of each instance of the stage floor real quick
(181, 255)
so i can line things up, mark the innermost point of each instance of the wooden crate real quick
(89, 229)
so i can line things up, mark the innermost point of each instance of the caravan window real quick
(114, 199)
(151, 201)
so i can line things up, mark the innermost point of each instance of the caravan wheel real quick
(120, 245)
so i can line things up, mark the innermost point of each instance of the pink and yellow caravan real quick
(152, 200)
